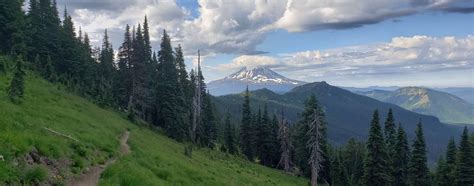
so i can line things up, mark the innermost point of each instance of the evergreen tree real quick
(105, 73)
(390, 140)
(17, 85)
(314, 144)
(286, 147)
(208, 134)
(375, 165)
(11, 31)
(302, 152)
(451, 153)
(168, 92)
(352, 157)
(229, 136)
(401, 157)
(140, 92)
(264, 139)
(246, 133)
(338, 171)
(275, 153)
(465, 163)
(418, 170)
(124, 83)
(442, 173)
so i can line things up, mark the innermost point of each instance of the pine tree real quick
(418, 169)
(17, 85)
(465, 163)
(390, 140)
(375, 165)
(401, 157)
(229, 136)
(246, 135)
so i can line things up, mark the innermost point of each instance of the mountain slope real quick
(447, 107)
(348, 114)
(256, 78)
(32, 152)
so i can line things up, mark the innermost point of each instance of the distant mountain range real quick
(256, 78)
(465, 93)
(348, 114)
(447, 107)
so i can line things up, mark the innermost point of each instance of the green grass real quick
(154, 158)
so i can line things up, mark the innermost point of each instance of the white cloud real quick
(249, 61)
(402, 56)
(238, 27)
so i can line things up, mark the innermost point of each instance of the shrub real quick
(36, 175)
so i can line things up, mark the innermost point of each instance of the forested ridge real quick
(152, 86)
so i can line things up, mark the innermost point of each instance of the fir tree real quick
(375, 165)
(314, 144)
(286, 147)
(17, 85)
(208, 134)
(11, 19)
(390, 140)
(352, 157)
(124, 85)
(451, 153)
(229, 136)
(465, 163)
(418, 169)
(442, 173)
(246, 133)
(401, 157)
(168, 92)
(105, 73)
(264, 137)
(301, 138)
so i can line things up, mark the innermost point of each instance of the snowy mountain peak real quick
(254, 79)
(261, 75)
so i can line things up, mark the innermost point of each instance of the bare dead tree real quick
(197, 102)
(285, 144)
(314, 145)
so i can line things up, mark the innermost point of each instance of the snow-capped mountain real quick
(256, 78)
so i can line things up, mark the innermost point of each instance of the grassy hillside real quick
(34, 154)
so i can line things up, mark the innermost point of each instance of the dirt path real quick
(92, 176)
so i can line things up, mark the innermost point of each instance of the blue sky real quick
(349, 43)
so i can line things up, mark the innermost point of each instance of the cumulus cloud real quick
(238, 27)
(249, 61)
(400, 56)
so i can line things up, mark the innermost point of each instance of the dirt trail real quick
(92, 176)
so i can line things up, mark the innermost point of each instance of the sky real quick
(344, 42)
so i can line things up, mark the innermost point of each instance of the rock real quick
(1, 158)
